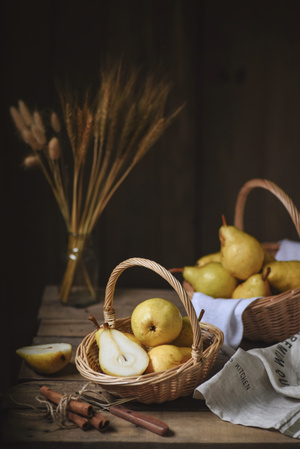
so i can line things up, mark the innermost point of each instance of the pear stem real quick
(175, 270)
(268, 271)
(201, 315)
(93, 320)
(224, 220)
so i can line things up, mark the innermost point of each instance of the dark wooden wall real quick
(236, 63)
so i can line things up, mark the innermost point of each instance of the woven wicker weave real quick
(274, 318)
(154, 387)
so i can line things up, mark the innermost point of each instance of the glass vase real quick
(79, 283)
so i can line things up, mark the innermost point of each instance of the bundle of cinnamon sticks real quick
(80, 413)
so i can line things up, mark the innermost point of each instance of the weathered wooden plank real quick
(74, 341)
(65, 328)
(52, 307)
(191, 430)
(124, 302)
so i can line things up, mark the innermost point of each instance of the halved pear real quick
(128, 334)
(47, 358)
(119, 355)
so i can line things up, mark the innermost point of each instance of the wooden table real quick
(190, 421)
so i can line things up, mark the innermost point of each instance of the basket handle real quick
(271, 187)
(109, 312)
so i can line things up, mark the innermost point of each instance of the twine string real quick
(58, 414)
(24, 405)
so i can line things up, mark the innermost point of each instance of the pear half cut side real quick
(47, 358)
(120, 356)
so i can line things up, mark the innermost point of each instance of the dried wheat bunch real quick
(106, 138)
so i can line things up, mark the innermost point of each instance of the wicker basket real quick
(154, 387)
(273, 318)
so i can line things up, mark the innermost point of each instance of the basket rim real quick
(84, 368)
(269, 301)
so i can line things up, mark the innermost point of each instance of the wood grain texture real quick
(189, 429)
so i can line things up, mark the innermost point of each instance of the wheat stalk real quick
(117, 128)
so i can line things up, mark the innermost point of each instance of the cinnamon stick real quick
(77, 408)
(80, 421)
(99, 422)
(82, 408)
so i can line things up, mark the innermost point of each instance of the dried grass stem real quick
(119, 127)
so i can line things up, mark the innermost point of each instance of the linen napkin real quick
(258, 388)
(226, 314)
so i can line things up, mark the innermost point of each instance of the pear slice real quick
(128, 334)
(47, 358)
(119, 355)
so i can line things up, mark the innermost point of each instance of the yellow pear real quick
(156, 321)
(47, 358)
(241, 254)
(268, 258)
(186, 337)
(213, 257)
(164, 357)
(212, 279)
(133, 338)
(255, 286)
(284, 275)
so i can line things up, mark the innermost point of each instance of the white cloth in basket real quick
(259, 387)
(288, 250)
(226, 314)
